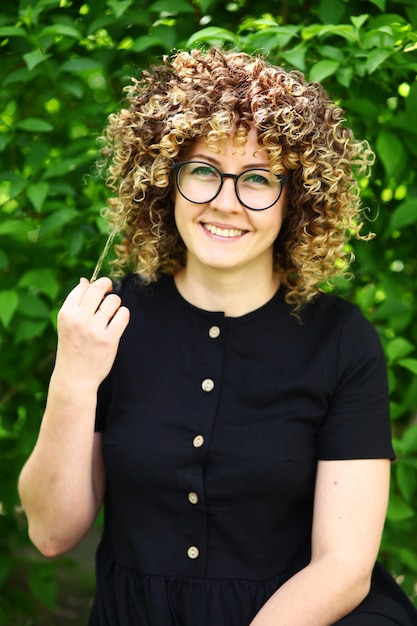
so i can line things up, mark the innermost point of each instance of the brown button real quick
(214, 332)
(207, 385)
(193, 497)
(193, 552)
(198, 441)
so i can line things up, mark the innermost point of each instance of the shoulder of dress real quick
(334, 304)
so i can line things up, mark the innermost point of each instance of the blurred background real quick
(63, 66)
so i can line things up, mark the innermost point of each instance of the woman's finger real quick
(94, 294)
(119, 321)
(75, 297)
(109, 306)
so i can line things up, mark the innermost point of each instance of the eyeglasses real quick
(257, 189)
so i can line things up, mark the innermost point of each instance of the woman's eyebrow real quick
(206, 157)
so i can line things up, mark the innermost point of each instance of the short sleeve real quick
(357, 425)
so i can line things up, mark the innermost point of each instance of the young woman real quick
(231, 416)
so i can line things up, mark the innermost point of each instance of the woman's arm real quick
(62, 483)
(350, 505)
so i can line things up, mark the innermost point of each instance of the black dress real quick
(212, 429)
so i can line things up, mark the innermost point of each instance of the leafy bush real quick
(63, 68)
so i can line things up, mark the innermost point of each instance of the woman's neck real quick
(221, 291)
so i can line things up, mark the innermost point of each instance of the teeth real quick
(227, 232)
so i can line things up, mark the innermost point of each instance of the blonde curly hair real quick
(210, 94)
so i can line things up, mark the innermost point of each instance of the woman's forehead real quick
(230, 146)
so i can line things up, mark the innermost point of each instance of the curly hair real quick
(210, 94)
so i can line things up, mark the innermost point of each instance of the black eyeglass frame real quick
(283, 178)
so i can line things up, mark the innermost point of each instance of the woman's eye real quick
(203, 171)
(254, 178)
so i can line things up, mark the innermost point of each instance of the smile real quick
(223, 232)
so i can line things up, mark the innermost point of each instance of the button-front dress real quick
(212, 429)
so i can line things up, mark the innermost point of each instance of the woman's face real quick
(223, 234)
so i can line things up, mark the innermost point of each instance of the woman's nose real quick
(227, 200)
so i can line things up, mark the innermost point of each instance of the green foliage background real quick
(63, 65)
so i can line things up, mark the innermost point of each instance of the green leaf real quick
(391, 152)
(60, 30)
(376, 58)
(171, 7)
(61, 167)
(74, 241)
(166, 34)
(331, 11)
(409, 440)
(34, 58)
(73, 86)
(56, 220)
(15, 227)
(344, 76)
(5, 140)
(404, 215)
(359, 20)
(332, 52)
(15, 186)
(317, 30)
(379, 3)
(398, 348)
(406, 477)
(398, 510)
(12, 31)
(33, 306)
(396, 410)
(311, 31)
(41, 280)
(29, 329)
(9, 301)
(119, 7)
(37, 194)
(408, 557)
(296, 57)
(146, 42)
(21, 75)
(35, 125)
(80, 64)
(323, 69)
(213, 35)
(269, 38)
(409, 364)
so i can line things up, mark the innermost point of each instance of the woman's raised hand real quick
(90, 325)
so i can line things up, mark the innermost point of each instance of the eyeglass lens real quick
(201, 182)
